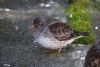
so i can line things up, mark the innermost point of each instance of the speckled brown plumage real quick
(53, 33)
(60, 31)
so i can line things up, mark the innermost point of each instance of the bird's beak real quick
(30, 29)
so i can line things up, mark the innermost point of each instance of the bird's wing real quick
(60, 31)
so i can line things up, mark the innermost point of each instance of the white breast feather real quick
(52, 43)
(47, 40)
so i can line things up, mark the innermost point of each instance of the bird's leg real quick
(44, 50)
(59, 51)
(52, 52)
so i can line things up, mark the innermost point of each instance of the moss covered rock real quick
(80, 19)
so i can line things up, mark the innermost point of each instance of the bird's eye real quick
(42, 23)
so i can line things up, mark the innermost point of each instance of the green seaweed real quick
(80, 19)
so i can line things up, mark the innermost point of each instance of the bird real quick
(92, 58)
(53, 33)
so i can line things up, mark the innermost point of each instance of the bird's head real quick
(37, 24)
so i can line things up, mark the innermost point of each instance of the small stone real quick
(35, 41)
(96, 27)
(6, 9)
(47, 5)
(82, 58)
(7, 65)
(42, 4)
(79, 51)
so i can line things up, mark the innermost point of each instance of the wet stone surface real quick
(19, 50)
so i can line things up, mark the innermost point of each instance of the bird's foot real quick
(50, 52)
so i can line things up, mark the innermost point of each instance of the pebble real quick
(96, 27)
(35, 41)
(47, 5)
(79, 51)
(82, 58)
(6, 9)
(42, 4)
(7, 65)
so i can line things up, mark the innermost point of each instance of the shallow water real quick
(18, 50)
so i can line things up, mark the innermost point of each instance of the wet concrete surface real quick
(19, 50)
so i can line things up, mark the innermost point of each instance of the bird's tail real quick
(80, 33)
